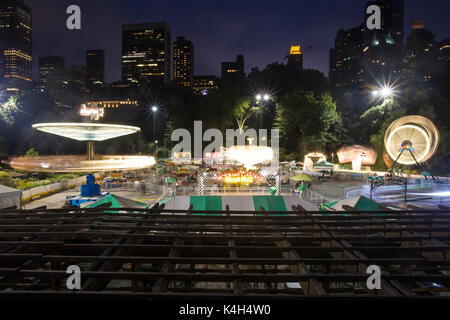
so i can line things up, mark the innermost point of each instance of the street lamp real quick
(385, 92)
(263, 98)
(154, 109)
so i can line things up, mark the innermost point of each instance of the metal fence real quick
(154, 254)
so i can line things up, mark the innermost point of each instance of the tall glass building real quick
(15, 45)
(146, 53)
(183, 62)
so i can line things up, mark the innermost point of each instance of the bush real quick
(5, 175)
(31, 153)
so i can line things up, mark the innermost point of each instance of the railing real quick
(315, 197)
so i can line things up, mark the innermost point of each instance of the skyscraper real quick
(444, 51)
(346, 59)
(47, 65)
(421, 53)
(204, 84)
(183, 62)
(146, 53)
(392, 18)
(295, 58)
(95, 67)
(384, 48)
(233, 72)
(15, 45)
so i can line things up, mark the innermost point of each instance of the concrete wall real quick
(30, 194)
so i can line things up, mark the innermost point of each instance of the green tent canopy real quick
(301, 177)
(360, 203)
(117, 202)
(324, 164)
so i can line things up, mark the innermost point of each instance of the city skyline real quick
(257, 52)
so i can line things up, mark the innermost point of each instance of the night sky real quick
(260, 30)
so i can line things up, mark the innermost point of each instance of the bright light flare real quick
(386, 92)
(154, 108)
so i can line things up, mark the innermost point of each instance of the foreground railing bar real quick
(182, 276)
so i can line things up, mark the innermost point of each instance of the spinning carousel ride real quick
(89, 163)
(87, 132)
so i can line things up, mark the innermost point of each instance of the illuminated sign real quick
(296, 50)
(243, 179)
(239, 177)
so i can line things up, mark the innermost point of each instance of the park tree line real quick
(310, 114)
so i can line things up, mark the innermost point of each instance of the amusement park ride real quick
(90, 163)
(410, 140)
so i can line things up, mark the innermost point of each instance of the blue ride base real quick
(90, 192)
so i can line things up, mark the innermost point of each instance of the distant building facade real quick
(444, 51)
(205, 84)
(421, 53)
(46, 66)
(384, 48)
(15, 45)
(146, 53)
(233, 73)
(347, 59)
(115, 104)
(295, 58)
(183, 62)
(95, 68)
(66, 87)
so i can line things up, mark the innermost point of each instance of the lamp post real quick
(261, 99)
(154, 109)
(386, 92)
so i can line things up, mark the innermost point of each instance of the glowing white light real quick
(91, 112)
(375, 93)
(266, 97)
(258, 97)
(250, 155)
(86, 131)
(154, 108)
(386, 92)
